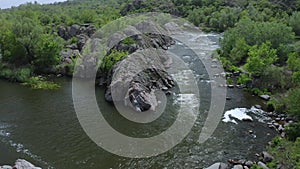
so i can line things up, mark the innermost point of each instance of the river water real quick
(42, 126)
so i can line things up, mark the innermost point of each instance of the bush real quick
(110, 60)
(15, 75)
(292, 102)
(243, 79)
(40, 83)
(293, 131)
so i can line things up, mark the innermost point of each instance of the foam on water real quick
(238, 113)
(243, 114)
(19, 147)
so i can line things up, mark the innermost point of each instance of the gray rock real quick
(23, 164)
(249, 164)
(258, 106)
(280, 128)
(238, 167)
(236, 73)
(231, 86)
(74, 30)
(136, 87)
(276, 124)
(6, 167)
(265, 97)
(218, 166)
(267, 157)
(263, 165)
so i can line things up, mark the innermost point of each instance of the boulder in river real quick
(238, 167)
(265, 97)
(262, 165)
(135, 78)
(267, 157)
(218, 166)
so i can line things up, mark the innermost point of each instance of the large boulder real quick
(135, 79)
(267, 157)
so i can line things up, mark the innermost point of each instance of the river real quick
(42, 127)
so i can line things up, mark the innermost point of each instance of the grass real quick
(286, 153)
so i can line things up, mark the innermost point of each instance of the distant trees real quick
(235, 42)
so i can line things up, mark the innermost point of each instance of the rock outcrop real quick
(20, 164)
(135, 79)
(82, 33)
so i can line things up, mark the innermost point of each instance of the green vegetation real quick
(286, 153)
(111, 59)
(40, 83)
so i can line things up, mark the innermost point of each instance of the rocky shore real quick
(279, 123)
(20, 164)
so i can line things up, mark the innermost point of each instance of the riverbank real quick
(278, 146)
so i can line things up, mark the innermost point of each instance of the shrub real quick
(293, 131)
(40, 83)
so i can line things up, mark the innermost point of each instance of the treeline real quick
(29, 40)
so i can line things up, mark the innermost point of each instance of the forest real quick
(261, 40)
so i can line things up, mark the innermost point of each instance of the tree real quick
(260, 58)
(294, 22)
(47, 52)
(27, 34)
(257, 33)
(292, 102)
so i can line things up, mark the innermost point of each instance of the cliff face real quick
(134, 79)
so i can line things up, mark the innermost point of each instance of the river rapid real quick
(42, 126)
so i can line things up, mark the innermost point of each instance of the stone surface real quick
(218, 166)
(238, 167)
(263, 165)
(20, 164)
(249, 163)
(265, 97)
(267, 157)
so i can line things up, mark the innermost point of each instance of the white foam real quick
(4, 133)
(238, 113)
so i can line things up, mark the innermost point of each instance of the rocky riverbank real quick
(20, 164)
(279, 123)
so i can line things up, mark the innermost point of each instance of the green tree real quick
(257, 33)
(260, 58)
(294, 22)
(47, 52)
(292, 102)
(27, 34)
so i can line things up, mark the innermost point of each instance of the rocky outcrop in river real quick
(20, 164)
(135, 79)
